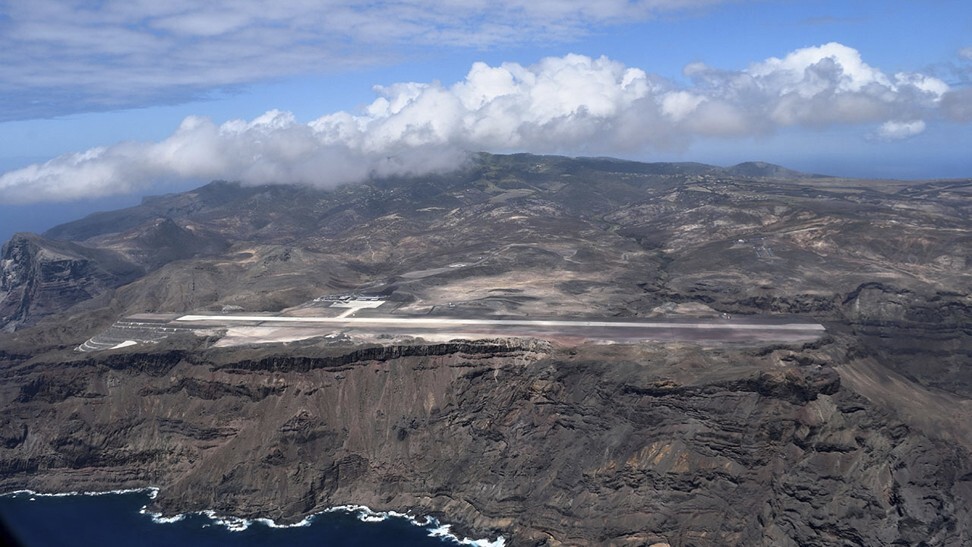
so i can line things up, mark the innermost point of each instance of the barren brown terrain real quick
(713, 427)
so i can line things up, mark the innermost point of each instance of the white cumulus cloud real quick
(572, 104)
(819, 85)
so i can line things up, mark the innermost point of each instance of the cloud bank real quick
(572, 104)
(66, 56)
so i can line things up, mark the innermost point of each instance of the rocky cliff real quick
(589, 445)
(41, 277)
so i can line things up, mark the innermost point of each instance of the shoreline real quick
(363, 513)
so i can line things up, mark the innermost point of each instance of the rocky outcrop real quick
(343, 359)
(922, 333)
(925, 337)
(876, 304)
(40, 277)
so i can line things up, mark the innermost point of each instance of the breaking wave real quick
(433, 526)
(150, 490)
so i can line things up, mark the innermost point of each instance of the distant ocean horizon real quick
(119, 517)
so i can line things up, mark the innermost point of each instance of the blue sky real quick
(102, 102)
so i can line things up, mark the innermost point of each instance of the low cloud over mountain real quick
(571, 104)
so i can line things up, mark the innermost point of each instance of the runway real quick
(429, 322)
(248, 329)
(743, 329)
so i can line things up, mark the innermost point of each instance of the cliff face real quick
(588, 445)
(40, 277)
(925, 337)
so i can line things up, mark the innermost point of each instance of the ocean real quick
(119, 518)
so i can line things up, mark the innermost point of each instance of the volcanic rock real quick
(860, 437)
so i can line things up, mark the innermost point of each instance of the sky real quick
(104, 102)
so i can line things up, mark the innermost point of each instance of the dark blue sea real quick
(117, 519)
